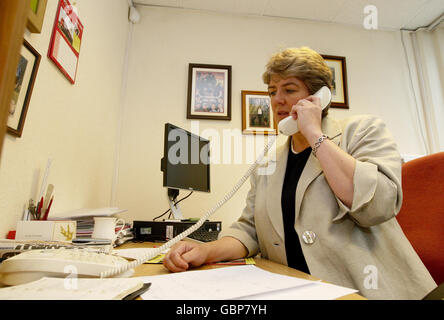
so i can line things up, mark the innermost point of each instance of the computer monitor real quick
(185, 164)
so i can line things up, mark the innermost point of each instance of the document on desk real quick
(72, 289)
(236, 282)
(320, 291)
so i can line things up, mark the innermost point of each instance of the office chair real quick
(422, 213)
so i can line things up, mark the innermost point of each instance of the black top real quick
(295, 165)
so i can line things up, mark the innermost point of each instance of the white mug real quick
(105, 228)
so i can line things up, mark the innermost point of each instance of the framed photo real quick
(36, 15)
(209, 92)
(66, 39)
(340, 91)
(257, 116)
(24, 83)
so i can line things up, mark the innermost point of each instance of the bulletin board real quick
(66, 40)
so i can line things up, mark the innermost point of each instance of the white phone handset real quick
(289, 126)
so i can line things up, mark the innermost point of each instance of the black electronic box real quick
(166, 230)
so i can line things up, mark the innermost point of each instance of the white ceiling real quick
(392, 14)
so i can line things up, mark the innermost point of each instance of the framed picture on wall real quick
(209, 92)
(339, 91)
(36, 15)
(257, 116)
(66, 40)
(24, 83)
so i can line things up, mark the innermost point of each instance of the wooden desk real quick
(157, 269)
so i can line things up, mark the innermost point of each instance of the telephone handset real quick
(289, 126)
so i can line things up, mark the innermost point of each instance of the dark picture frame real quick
(36, 15)
(257, 115)
(339, 92)
(209, 92)
(24, 83)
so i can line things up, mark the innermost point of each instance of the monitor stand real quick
(175, 210)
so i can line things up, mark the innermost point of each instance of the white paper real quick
(65, 56)
(72, 289)
(222, 283)
(87, 212)
(320, 291)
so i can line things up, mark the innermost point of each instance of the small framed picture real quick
(209, 92)
(339, 92)
(66, 40)
(257, 116)
(36, 15)
(24, 83)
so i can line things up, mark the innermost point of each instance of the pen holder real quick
(46, 230)
(40, 210)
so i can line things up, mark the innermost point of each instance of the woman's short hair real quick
(303, 63)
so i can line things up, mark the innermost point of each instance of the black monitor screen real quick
(186, 161)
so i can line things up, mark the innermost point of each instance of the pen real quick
(39, 209)
(47, 210)
(47, 198)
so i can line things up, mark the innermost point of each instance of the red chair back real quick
(422, 212)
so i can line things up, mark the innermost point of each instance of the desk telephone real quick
(34, 264)
(59, 263)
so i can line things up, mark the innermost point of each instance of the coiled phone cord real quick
(149, 255)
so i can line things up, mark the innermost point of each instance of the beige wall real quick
(167, 40)
(75, 125)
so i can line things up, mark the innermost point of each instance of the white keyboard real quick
(61, 263)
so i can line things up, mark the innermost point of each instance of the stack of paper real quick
(72, 289)
(126, 235)
(85, 227)
(239, 282)
(87, 212)
(85, 222)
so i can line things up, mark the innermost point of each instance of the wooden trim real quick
(13, 17)
(35, 19)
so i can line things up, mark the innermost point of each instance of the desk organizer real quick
(46, 230)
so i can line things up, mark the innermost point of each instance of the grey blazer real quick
(362, 247)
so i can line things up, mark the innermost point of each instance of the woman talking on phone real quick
(329, 207)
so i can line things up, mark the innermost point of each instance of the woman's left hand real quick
(309, 116)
